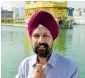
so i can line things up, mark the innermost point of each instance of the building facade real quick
(16, 15)
(18, 12)
(57, 9)
(79, 16)
(70, 11)
(19, 15)
(6, 16)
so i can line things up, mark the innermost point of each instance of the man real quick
(43, 30)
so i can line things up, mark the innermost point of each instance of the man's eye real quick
(36, 36)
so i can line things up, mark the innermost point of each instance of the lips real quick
(41, 47)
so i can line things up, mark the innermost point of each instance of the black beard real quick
(44, 52)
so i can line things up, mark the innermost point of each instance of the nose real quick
(41, 40)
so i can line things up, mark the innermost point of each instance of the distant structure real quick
(57, 8)
(18, 12)
(79, 16)
(6, 16)
(70, 11)
(79, 12)
(19, 15)
(16, 15)
(83, 12)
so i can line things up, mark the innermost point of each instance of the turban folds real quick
(46, 19)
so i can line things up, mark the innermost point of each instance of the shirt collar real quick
(33, 60)
(51, 61)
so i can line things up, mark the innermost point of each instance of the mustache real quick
(42, 44)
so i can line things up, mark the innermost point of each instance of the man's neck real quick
(42, 60)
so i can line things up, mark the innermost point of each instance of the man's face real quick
(42, 41)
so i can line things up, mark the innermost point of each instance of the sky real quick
(9, 4)
(76, 4)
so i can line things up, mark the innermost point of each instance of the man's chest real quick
(49, 73)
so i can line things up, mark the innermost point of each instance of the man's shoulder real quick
(28, 59)
(66, 61)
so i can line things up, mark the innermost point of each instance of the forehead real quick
(41, 30)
